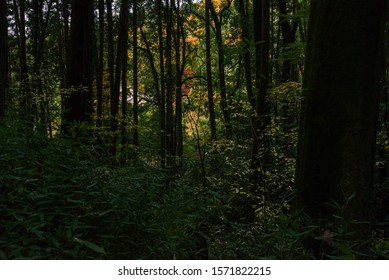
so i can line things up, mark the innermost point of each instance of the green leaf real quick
(90, 245)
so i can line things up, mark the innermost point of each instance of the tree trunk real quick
(341, 88)
(135, 73)
(261, 118)
(3, 56)
(162, 99)
(124, 68)
(180, 64)
(211, 106)
(218, 21)
(21, 28)
(169, 83)
(288, 30)
(111, 63)
(120, 52)
(78, 103)
(246, 52)
(100, 66)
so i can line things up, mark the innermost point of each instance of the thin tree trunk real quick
(218, 21)
(100, 66)
(135, 73)
(246, 52)
(162, 100)
(211, 106)
(179, 142)
(124, 68)
(261, 119)
(169, 83)
(21, 27)
(3, 56)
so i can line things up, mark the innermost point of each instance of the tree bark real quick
(169, 84)
(3, 56)
(180, 64)
(121, 51)
(135, 73)
(162, 99)
(100, 65)
(218, 21)
(261, 117)
(21, 33)
(243, 10)
(78, 103)
(341, 88)
(211, 106)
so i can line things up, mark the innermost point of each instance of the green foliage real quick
(59, 200)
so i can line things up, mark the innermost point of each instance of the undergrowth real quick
(60, 198)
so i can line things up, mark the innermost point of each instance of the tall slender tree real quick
(3, 56)
(78, 102)
(246, 36)
(211, 106)
(180, 60)
(261, 119)
(100, 64)
(162, 99)
(169, 82)
(20, 17)
(341, 88)
(218, 23)
(135, 71)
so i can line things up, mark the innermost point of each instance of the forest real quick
(194, 129)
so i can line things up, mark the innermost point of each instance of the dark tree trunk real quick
(180, 64)
(120, 52)
(169, 83)
(135, 73)
(261, 118)
(162, 99)
(246, 52)
(211, 106)
(124, 62)
(110, 49)
(218, 21)
(78, 103)
(100, 66)
(288, 30)
(341, 88)
(21, 33)
(3, 56)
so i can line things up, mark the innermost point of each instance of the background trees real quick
(196, 105)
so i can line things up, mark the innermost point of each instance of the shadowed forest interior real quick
(194, 129)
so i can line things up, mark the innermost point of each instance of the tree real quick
(78, 102)
(3, 55)
(20, 17)
(243, 10)
(100, 65)
(135, 71)
(162, 97)
(261, 117)
(341, 87)
(169, 82)
(218, 23)
(288, 30)
(209, 70)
